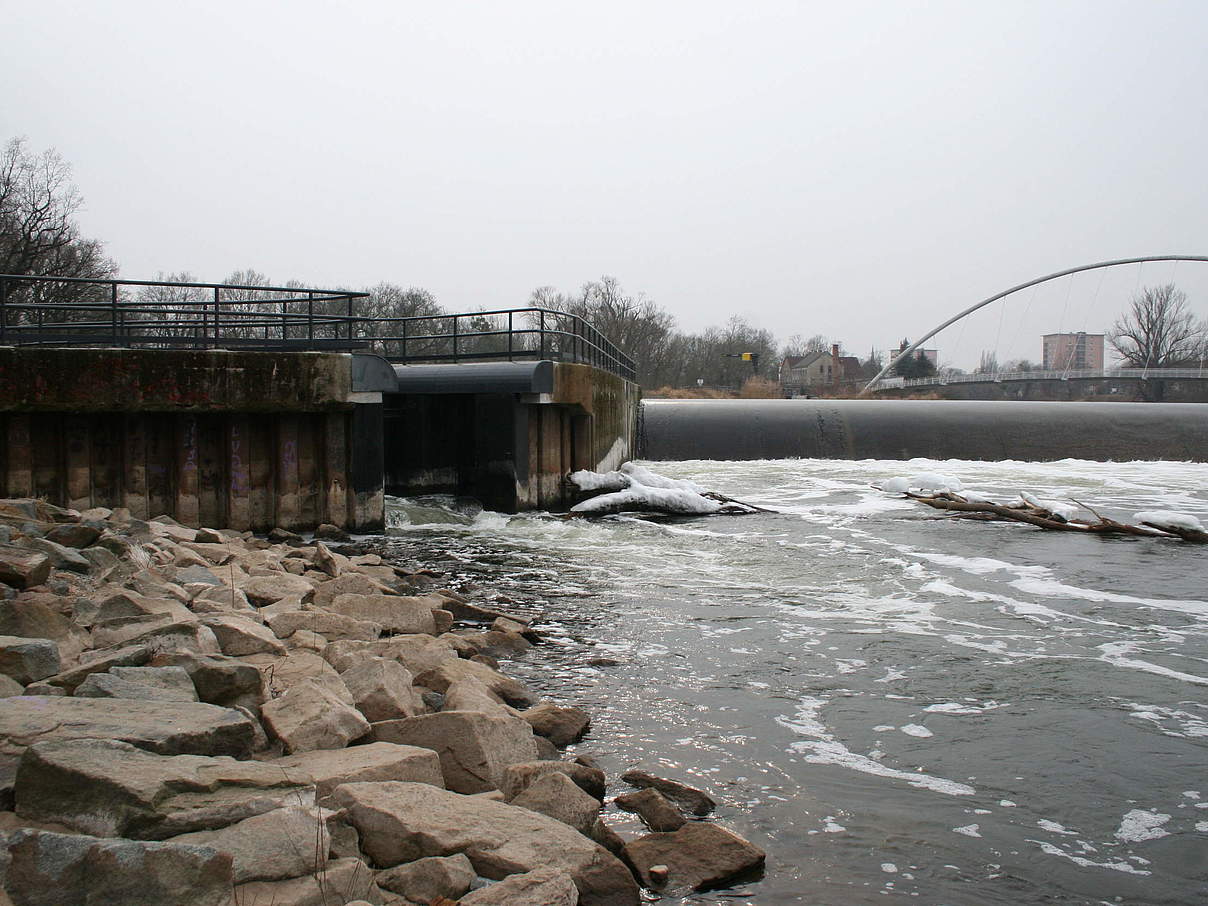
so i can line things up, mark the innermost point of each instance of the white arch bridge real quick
(881, 382)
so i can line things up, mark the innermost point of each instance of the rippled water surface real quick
(893, 703)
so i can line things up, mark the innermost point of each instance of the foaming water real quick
(998, 713)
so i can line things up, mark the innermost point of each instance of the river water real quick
(893, 703)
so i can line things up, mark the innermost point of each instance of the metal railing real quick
(69, 311)
(1070, 375)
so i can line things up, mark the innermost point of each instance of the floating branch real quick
(1042, 514)
(634, 489)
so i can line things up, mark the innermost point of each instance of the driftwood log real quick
(1042, 518)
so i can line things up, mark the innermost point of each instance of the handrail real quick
(994, 377)
(80, 311)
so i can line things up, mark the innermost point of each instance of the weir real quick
(933, 429)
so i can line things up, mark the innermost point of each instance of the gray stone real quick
(557, 796)
(183, 635)
(193, 575)
(299, 666)
(310, 716)
(696, 801)
(517, 777)
(373, 762)
(418, 652)
(656, 810)
(448, 672)
(474, 748)
(161, 684)
(28, 660)
(262, 590)
(129, 656)
(607, 837)
(698, 856)
(343, 881)
(391, 612)
(560, 725)
(9, 686)
(381, 689)
(329, 532)
(73, 534)
(166, 728)
(326, 561)
(23, 568)
(348, 584)
(428, 879)
(332, 626)
(60, 557)
(284, 843)
(55, 869)
(239, 635)
(402, 822)
(470, 694)
(543, 887)
(218, 679)
(113, 789)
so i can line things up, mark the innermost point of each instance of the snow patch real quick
(1168, 519)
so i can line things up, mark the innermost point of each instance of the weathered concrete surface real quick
(246, 440)
(934, 429)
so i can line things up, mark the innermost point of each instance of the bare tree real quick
(38, 232)
(988, 363)
(797, 345)
(1159, 330)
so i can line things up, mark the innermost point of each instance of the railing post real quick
(284, 321)
(455, 338)
(349, 331)
(541, 335)
(310, 318)
(113, 311)
(217, 308)
(3, 309)
(404, 341)
(510, 338)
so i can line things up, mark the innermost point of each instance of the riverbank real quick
(203, 716)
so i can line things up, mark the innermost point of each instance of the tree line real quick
(39, 236)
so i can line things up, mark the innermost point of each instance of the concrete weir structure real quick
(507, 433)
(934, 429)
(255, 440)
(245, 440)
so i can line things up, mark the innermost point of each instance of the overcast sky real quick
(860, 170)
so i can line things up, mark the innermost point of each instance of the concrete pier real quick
(246, 440)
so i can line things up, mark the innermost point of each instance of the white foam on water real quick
(1115, 653)
(824, 748)
(916, 730)
(1054, 589)
(1140, 825)
(1054, 827)
(889, 868)
(969, 830)
(960, 708)
(1053, 850)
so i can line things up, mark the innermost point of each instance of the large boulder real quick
(382, 690)
(391, 612)
(162, 684)
(284, 843)
(99, 662)
(48, 869)
(425, 880)
(348, 584)
(698, 802)
(60, 557)
(557, 796)
(402, 822)
(284, 673)
(656, 810)
(109, 788)
(376, 761)
(239, 635)
(310, 716)
(73, 534)
(262, 590)
(343, 881)
(166, 728)
(31, 618)
(23, 568)
(418, 652)
(218, 679)
(474, 747)
(28, 660)
(518, 777)
(697, 856)
(560, 725)
(471, 694)
(543, 887)
(332, 626)
(448, 672)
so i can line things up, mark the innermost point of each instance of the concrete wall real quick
(937, 429)
(218, 438)
(510, 450)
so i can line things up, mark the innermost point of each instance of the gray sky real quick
(860, 170)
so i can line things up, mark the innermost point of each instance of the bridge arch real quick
(909, 350)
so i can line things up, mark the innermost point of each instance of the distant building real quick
(1072, 351)
(819, 369)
